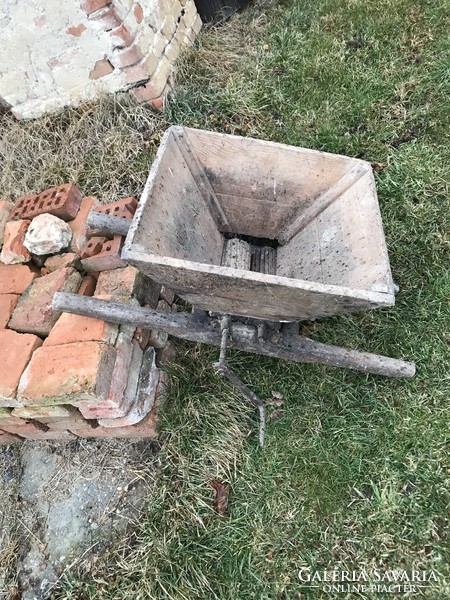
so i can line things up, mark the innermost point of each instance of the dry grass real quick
(106, 148)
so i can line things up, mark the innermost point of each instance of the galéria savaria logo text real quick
(391, 581)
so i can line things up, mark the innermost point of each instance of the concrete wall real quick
(55, 53)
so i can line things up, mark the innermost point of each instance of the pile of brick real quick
(63, 375)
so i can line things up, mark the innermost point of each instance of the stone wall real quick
(56, 54)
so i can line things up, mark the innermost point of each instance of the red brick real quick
(90, 6)
(108, 17)
(34, 313)
(147, 428)
(13, 251)
(68, 374)
(142, 336)
(7, 304)
(63, 201)
(5, 210)
(125, 284)
(141, 71)
(122, 36)
(123, 383)
(144, 396)
(108, 258)
(54, 417)
(87, 287)
(78, 225)
(14, 279)
(158, 338)
(74, 328)
(127, 56)
(93, 247)
(7, 418)
(15, 352)
(33, 430)
(101, 68)
(76, 30)
(125, 208)
(138, 12)
(9, 438)
(60, 261)
(158, 103)
(42, 412)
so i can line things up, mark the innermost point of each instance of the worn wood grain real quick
(297, 349)
(107, 224)
(245, 293)
(322, 202)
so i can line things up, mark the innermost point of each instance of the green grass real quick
(356, 471)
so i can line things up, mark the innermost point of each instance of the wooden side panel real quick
(239, 292)
(238, 166)
(259, 218)
(344, 245)
(172, 218)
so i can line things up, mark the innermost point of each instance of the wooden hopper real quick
(320, 211)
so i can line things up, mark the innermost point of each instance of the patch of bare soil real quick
(63, 504)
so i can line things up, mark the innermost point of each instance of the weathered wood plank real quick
(200, 178)
(297, 349)
(245, 293)
(322, 202)
(107, 224)
(264, 260)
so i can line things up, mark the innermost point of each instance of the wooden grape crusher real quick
(255, 236)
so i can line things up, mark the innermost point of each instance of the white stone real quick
(47, 234)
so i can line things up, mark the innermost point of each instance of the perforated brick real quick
(62, 201)
(108, 258)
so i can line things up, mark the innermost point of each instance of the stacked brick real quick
(64, 376)
(89, 47)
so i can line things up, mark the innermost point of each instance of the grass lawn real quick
(355, 473)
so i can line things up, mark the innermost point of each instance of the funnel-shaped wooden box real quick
(320, 211)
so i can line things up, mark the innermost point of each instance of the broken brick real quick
(87, 287)
(78, 225)
(108, 258)
(7, 418)
(147, 428)
(123, 383)
(144, 397)
(75, 328)
(68, 374)
(60, 261)
(14, 251)
(5, 209)
(90, 6)
(7, 304)
(62, 201)
(34, 313)
(14, 279)
(9, 438)
(15, 352)
(127, 283)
